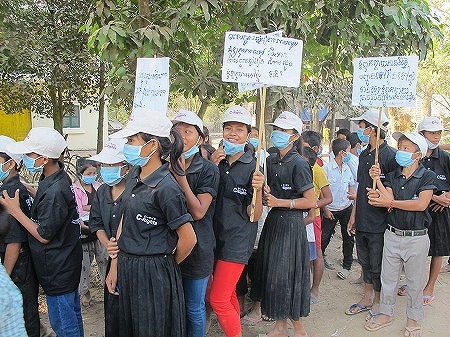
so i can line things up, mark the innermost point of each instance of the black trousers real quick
(348, 242)
(369, 247)
(24, 277)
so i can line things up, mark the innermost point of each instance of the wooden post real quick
(261, 139)
(377, 146)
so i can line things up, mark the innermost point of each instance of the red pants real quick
(223, 297)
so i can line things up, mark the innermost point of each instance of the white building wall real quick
(84, 137)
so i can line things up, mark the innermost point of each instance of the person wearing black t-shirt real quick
(200, 185)
(437, 160)
(406, 193)
(235, 233)
(105, 214)
(155, 233)
(367, 222)
(53, 228)
(14, 251)
(282, 281)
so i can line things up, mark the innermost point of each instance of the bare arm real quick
(186, 242)
(197, 204)
(11, 255)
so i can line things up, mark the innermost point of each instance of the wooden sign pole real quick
(261, 139)
(377, 146)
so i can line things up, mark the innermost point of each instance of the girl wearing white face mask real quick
(155, 233)
(438, 161)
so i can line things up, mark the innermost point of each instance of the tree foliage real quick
(43, 56)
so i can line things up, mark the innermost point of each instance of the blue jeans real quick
(194, 297)
(64, 313)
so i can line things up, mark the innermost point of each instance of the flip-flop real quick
(427, 299)
(403, 290)
(343, 273)
(408, 330)
(362, 308)
(372, 314)
(313, 299)
(267, 319)
(377, 326)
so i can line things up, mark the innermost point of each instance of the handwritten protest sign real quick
(385, 81)
(242, 87)
(151, 89)
(255, 58)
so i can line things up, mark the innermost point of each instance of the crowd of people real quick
(179, 228)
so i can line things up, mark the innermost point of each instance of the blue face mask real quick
(404, 159)
(88, 179)
(359, 151)
(319, 152)
(254, 142)
(193, 150)
(29, 164)
(347, 158)
(280, 139)
(3, 175)
(431, 145)
(231, 149)
(111, 174)
(362, 137)
(132, 154)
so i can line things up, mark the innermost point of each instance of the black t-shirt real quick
(203, 177)
(105, 212)
(153, 209)
(290, 176)
(235, 234)
(57, 263)
(372, 219)
(17, 233)
(439, 163)
(409, 189)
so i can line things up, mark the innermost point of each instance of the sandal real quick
(360, 308)
(343, 274)
(251, 320)
(403, 290)
(267, 319)
(409, 330)
(373, 325)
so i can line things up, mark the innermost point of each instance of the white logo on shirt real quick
(415, 197)
(286, 187)
(149, 220)
(240, 190)
(441, 177)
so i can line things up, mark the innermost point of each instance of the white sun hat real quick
(4, 141)
(44, 141)
(239, 114)
(112, 152)
(188, 117)
(146, 121)
(288, 120)
(414, 137)
(430, 124)
(371, 116)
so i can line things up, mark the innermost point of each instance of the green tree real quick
(43, 54)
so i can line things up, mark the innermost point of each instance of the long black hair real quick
(173, 150)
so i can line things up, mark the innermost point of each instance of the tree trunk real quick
(101, 108)
(56, 110)
(315, 119)
(144, 16)
(205, 102)
(426, 103)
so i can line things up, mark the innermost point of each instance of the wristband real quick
(391, 206)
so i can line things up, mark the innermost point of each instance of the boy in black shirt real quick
(54, 228)
(406, 193)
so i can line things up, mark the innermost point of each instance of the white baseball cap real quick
(146, 121)
(4, 141)
(430, 124)
(416, 138)
(112, 152)
(239, 114)
(288, 120)
(188, 117)
(371, 116)
(44, 141)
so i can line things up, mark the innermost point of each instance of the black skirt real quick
(439, 233)
(111, 309)
(151, 300)
(282, 280)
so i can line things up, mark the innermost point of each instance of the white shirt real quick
(339, 184)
